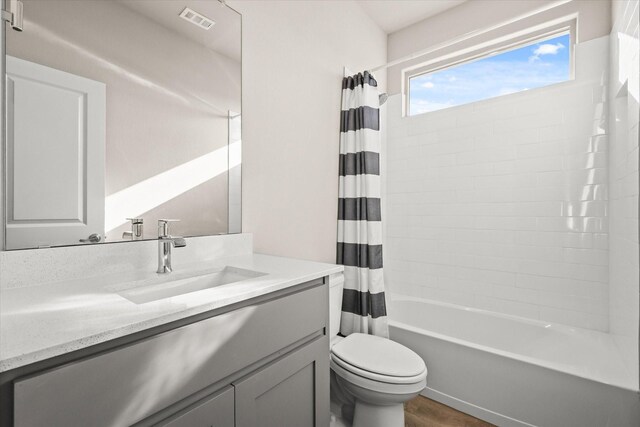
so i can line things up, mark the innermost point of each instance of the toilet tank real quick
(336, 284)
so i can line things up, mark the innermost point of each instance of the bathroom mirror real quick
(120, 113)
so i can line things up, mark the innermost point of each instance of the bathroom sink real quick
(167, 287)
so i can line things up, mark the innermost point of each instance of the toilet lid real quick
(379, 355)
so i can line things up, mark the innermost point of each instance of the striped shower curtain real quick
(359, 217)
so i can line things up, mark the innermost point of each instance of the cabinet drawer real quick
(130, 383)
(214, 411)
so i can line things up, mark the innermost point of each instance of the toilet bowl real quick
(374, 376)
(380, 375)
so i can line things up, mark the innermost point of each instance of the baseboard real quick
(473, 410)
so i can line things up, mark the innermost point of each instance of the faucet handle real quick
(137, 225)
(163, 226)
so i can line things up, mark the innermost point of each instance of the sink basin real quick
(167, 287)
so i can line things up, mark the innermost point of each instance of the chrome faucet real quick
(165, 243)
(136, 229)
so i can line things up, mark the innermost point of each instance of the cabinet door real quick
(291, 392)
(216, 411)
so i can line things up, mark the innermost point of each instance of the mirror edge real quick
(3, 144)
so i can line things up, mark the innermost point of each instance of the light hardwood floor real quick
(423, 412)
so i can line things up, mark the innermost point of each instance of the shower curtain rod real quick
(468, 35)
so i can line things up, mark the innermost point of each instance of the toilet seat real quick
(377, 359)
(388, 388)
(374, 376)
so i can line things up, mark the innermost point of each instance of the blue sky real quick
(536, 65)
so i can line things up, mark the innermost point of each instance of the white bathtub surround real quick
(39, 322)
(517, 372)
(502, 204)
(623, 180)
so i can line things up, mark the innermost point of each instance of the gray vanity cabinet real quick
(263, 362)
(289, 392)
(213, 411)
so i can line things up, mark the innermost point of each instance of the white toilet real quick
(375, 375)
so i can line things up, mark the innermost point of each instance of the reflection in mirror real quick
(119, 113)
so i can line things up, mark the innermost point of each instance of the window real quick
(541, 63)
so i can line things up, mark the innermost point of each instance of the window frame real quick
(488, 49)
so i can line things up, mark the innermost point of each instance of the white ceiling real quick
(390, 15)
(393, 15)
(223, 37)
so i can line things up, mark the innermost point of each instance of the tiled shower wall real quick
(623, 179)
(502, 204)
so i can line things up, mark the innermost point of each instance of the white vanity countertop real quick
(40, 322)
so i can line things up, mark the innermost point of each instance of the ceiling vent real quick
(196, 18)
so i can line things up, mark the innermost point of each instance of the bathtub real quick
(517, 372)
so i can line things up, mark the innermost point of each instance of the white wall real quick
(501, 204)
(623, 176)
(293, 54)
(593, 16)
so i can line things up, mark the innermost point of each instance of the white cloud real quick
(548, 49)
(545, 49)
(428, 85)
(452, 78)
